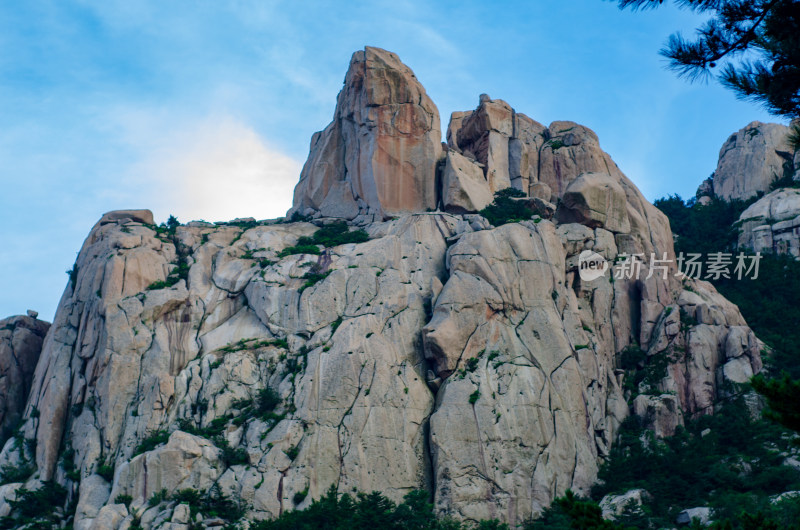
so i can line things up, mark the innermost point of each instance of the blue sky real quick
(205, 109)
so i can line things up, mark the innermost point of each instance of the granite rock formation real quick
(21, 340)
(378, 156)
(443, 354)
(750, 161)
(772, 224)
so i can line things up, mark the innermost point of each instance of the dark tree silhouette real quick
(783, 399)
(751, 46)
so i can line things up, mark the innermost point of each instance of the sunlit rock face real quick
(751, 160)
(443, 354)
(378, 157)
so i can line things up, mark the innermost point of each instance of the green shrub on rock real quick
(505, 209)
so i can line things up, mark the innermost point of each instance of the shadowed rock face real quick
(378, 157)
(21, 340)
(444, 353)
(772, 224)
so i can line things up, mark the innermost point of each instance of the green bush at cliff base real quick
(368, 511)
(728, 461)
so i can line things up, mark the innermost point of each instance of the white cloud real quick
(216, 169)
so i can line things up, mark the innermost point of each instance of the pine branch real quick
(693, 59)
(694, 5)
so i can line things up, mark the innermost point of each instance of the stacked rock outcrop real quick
(443, 353)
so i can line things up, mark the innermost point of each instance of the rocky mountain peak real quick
(750, 161)
(270, 361)
(378, 157)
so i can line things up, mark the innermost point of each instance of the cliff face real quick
(751, 160)
(20, 346)
(759, 163)
(378, 155)
(443, 353)
(772, 224)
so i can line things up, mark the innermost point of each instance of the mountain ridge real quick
(443, 353)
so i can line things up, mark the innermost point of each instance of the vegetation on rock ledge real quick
(330, 235)
(507, 209)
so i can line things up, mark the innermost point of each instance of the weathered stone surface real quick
(750, 162)
(751, 159)
(464, 186)
(772, 224)
(787, 495)
(541, 190)
(93, 494)
(508, 306)
(596, 200)
(504, 142)
(351, 374)
(715, 337)
(21, 339)
(615, 505)
(186, 461)
(543, 208)
(703, 514)
(181, 514)
(556, 156)
(454, 126)
(571, 149)
(156, 358)
(661, 414)
(136, 216)
(705, 189)
(110, 516)
(795, 128)
(381, 148)
(8, 492)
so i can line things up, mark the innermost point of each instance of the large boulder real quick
(596, 200)
(117, 216)
(702, 514)
(751, 159)
(629, 502)
(186, 461)
(464, 186)
(772, 224)
(571, 149)
(661, 414)
(378, 157)
(505, 142)
(21, 339)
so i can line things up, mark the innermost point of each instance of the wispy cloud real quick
(205, 109)
(215, 168)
